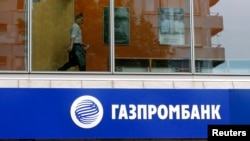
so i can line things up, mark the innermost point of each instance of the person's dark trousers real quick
(76, 57)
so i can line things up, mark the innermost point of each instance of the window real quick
(13, 35)
(158, 36)
(150, 36)
(51, 34)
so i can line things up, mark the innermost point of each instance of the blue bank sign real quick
(118, 113)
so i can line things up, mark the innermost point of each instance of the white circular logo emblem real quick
(86, 111)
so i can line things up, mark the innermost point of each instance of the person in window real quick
(165, 24)
(77, 48)
(178, 24)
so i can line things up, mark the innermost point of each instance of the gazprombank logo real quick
(86, 111)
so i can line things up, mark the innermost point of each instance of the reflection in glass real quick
(122, 29)
(234, 37)
(13, 35)
(156, 45)
(233, 67)
(171, 24)
(225, 39)
(52, 21)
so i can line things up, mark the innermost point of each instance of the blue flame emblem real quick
(86, 112)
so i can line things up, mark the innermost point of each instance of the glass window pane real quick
(55, 24)
(222, 33)
(234, 37)
(13, 35)
(152, 36)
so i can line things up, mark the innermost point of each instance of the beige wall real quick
(50, 33)
(123, 81)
